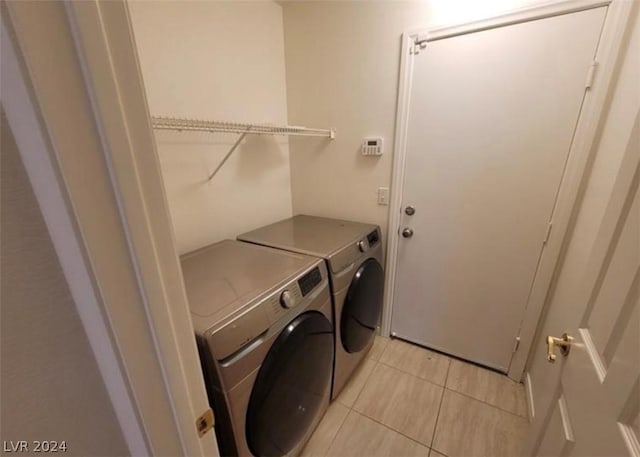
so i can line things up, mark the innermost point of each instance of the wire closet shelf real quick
(198, 125)
(181, 124)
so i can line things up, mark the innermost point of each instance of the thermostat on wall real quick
(372, 147)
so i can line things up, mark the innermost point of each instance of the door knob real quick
(410, 210)
(564, 343)
(407, 232)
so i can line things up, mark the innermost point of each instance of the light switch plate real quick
(383, 196)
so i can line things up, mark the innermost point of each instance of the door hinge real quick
(591, 73)
(546, 236)
(517, 345)
(205, 422)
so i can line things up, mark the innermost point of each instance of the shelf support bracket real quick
(233, 148)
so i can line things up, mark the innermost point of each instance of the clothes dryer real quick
(353, 254)
(263, 325)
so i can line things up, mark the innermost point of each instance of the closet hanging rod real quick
(180, 124)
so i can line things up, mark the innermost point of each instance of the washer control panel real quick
(287, 298)
(293, 293)
(242, 329)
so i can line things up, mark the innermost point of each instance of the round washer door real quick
(362, 306)
(292, 386)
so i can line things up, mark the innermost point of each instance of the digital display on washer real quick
(309, 281)
(373, 238)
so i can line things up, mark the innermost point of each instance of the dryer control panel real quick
(369, 241)
(309, 281)
(373, 237)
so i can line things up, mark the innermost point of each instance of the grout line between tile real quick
(435, 427)
(390, 428)
(485, 402)
(338, 430)
(386, 346)
(416, 376)
(443, 386)
(439, 452)
(435, 450)
(364, 384)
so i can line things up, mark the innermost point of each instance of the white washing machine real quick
(263, 324)
(353, 255)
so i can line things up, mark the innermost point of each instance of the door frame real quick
(93, 165)
(582, 147)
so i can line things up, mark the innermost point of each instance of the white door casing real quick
(491, 121)
(100, 164)
(595, 407)
(30, 136)
(608, 51)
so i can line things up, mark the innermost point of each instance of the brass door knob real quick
(564, 343)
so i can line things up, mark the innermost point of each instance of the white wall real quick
(343, 61)
(613, 139)
(221, 61)
(226, 60)
(51, 386)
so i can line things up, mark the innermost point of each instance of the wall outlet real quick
(383, 196)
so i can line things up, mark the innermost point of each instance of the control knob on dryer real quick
(362, 245)
(286, 299)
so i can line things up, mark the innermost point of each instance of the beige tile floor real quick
(405, 400)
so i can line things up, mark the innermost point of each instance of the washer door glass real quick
(362, 306)
(292, 386)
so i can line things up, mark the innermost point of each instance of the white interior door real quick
(491, 120)
(595, 409)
